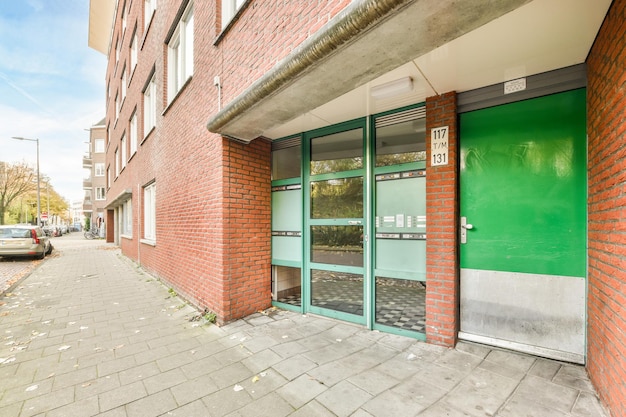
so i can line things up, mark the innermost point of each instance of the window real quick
(180, 53)
(123, 18)
(123, 81)
(133, 134)
(123, 153)
(133, 53)
(117, 106)
(149, 212)
(229, 10)
(109, 177)
(99, 169)
(149, 8)
(117, 51)
(99, 146)
(100, 193)
(117, 164)
(126, 216)
(149, 107)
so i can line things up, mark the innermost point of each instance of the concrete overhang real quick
(366, 40)
(443, 45)
(119, 199)
(101, 13)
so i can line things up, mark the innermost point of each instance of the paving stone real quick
(121, 396)
(272, 405)
(192, 390)
(373, 381)
(313, 409)
(152, 406)
(540, 391)
(164, 380)
(343, 399)
(47, 402)
(544, 368)
(390, 403)
(301, 390)
(587, 405)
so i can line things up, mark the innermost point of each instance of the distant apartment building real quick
(94, 183)
(442, 170)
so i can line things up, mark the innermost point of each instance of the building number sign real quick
(439, 146)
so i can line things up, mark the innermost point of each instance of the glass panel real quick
(401, 143)
(340, 291)
(337, 152)
(286, 163)
(400, 303)
(340, 198)
(286, 284)
(337, 245)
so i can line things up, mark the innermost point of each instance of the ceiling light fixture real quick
(392, 88)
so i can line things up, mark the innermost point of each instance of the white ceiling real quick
(540, 36)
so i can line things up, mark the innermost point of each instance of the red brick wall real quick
(606, 333)
(213, 195)
(442, 278)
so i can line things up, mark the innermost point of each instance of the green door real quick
(523, 225)
(335, 222)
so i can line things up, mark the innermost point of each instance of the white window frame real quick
(117, 163)
(180, 53)
(123, 81)
(149, 107)
(229, 10)
(127, 218)
(149, 9)
(133, 134)
(101, 194)
(124, 152)
(99, 146)
(149, 212)
(133, 53)
(99, 169)
(117, 107)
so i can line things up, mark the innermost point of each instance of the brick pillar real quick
(442, 265)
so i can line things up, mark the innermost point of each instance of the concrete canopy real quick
(366, 40)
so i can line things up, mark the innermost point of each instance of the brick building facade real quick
(232, 124)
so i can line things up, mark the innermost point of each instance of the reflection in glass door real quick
(335, 230)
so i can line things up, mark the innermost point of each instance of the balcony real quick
(87, 184)
(87, 162)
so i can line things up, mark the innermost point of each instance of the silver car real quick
(24, 240)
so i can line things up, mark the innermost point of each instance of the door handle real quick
(465, 226)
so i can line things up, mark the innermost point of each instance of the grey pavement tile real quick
(573, 377)
(482, 392)
(11, 409)
(440, 376)
(151, 355)
(194, 409)
(230, 375)
(116, 365)
(421, 392)
(540, 391)
(473, 349)
(226, 401)
(259, 343)
(332, 373)
(392, 404)
(301, 390)
(313, 409)
(47, 402)
(201, 367)
(401, 366)
(91, 389)
(78, 376)
(271, 405)
(263, 383)
(97, 356)
(138, 373)
(511, 359)
(361, 413)
(192, 390)
(232, 355)
(344, 398)
(26, 392)
(588, 405)
(545, 368)
(373, 381)
(83, 408)
(293, 367)
(459, 361)
(120, 396)
(176, 360)
(442, 409)
(336, 350)
(164, 380)
(262, 360)
(290, 348)
(520, 406)
(152, 406)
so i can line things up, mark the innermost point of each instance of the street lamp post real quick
(38, 177)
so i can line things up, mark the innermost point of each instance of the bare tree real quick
(16, 180)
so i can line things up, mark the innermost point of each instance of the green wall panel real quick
(287, 248)
(287, 210)
(523, 186)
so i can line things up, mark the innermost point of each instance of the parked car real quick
(24, 240)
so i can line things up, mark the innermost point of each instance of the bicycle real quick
(91, 234)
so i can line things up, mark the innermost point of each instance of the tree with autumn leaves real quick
(18, 195)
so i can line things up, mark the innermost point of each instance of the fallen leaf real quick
(238, 388)
(31, 388)
(255, 379)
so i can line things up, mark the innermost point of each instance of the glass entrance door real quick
(336, 230)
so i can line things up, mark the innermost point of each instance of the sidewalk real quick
(89, 333)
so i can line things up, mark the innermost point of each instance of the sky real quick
(52, 88)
